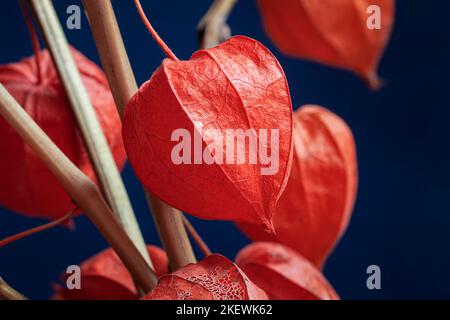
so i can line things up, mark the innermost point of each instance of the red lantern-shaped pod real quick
(316, 206)
(26, 185)
(283, 273)
(213, 278)
(104, 277)
(211, 136)
(349, 34)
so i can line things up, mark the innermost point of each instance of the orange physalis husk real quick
(316, 206)
(331, 32)
(26, 185)
(104, 277)
(213, 278)
(197, 111)
(283, 273)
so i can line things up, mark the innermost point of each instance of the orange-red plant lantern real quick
(213, 278)
(205, 104)
(104, 277)
(26, 185)
(316, 206)
(283, 273)
(350, 34)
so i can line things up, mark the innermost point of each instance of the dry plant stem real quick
(116, 64)
(212, 28)
(8, 293)
(79, 187)
(24, 7)
(197, 238)
(111, 49)
(38, 229)
(97, 146)
(172, 233)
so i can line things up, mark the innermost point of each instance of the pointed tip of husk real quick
(373, 81)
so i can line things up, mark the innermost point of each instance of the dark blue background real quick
(401, 220)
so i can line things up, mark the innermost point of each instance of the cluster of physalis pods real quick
(216, 137)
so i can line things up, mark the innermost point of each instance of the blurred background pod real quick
(316, 205)
(27, 186)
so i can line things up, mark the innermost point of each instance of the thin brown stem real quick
(79, 187)
(27, 233)
(196, 236)
(213, 28)
(116, 64)
(95, 141)
(172, 233)
(25, 8)
(9, 293)
(153, 32)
